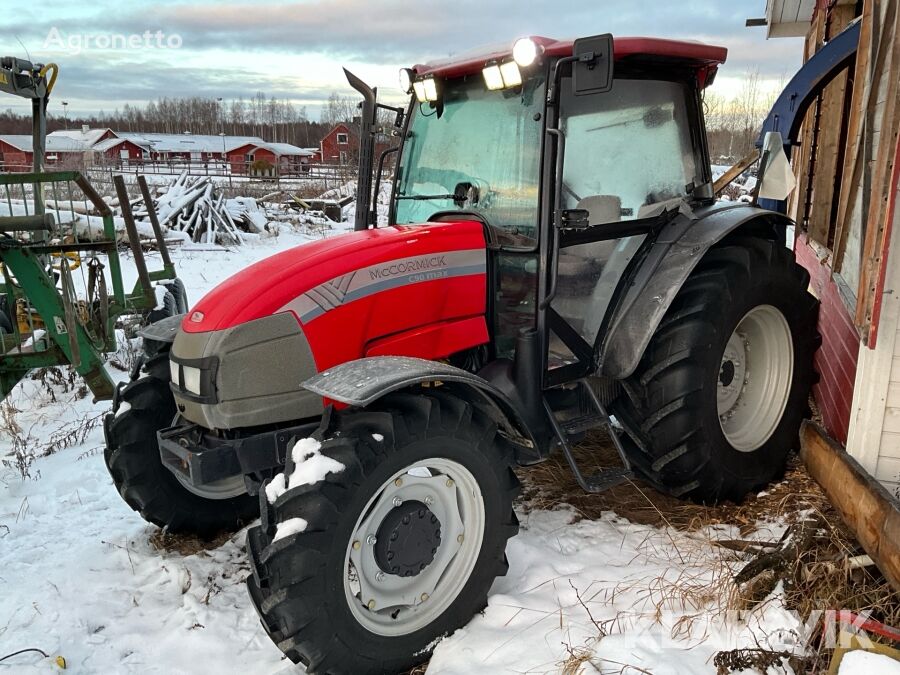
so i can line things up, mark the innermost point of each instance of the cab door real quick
(630, 154)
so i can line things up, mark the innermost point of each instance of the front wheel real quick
(141, 408)
(715, 405)
(395, 546)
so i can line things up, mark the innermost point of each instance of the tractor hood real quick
(246, 347)
(312, 279)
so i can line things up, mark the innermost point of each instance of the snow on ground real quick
(80, 576)
(859, 662)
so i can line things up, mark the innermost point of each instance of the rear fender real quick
(361, 382)
(663, 271)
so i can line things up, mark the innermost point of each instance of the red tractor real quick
(555, 262)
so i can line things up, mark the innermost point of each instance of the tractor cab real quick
(568, 152)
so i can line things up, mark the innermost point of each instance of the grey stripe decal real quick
(321, 300)
(329, 291)
(345, 282)
(384, 276)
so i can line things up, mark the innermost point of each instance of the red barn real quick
(120, 149)
(16, 152)
(340, 145)
(284, 158)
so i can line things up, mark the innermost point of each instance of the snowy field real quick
(82, 576)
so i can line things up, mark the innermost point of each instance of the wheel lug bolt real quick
(396, 501)
(424, 597)
(398, 482)
(356, 545)
(429, 500)
(379, 576)
(450, 482)
(370, 540)
(371, 604)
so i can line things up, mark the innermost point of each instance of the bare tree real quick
(339, 109)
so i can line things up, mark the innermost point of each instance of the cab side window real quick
(627, 149)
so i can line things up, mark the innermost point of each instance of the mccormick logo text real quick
(408, 267)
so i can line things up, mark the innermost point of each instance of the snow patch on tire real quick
(310, 467)
(289, 527)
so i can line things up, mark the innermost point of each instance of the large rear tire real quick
(715, 405)
(142, 407)
(398, 549)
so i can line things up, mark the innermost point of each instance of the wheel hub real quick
(407, 540)
(726, 374)
(732, 373)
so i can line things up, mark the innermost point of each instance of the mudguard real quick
(163, 330)
(662, 273)
(363, 381)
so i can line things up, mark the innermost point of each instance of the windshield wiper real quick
(426, 197)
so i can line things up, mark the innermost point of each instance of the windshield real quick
(483, 146)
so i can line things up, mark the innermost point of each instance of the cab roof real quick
(703, 57)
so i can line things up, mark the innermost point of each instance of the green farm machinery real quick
(62, 289)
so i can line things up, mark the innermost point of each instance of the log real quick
(865, 505)
(726, 178)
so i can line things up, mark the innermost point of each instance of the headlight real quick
(525, 52)
(192, 379)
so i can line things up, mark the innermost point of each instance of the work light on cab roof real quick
(507, 74)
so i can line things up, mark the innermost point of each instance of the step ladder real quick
(565, 430)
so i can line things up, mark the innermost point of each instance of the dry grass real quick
(551, 484)
(186, 544)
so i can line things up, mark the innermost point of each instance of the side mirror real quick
(574, 219)
(465, 192)
(593, 68)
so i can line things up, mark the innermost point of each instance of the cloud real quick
(386, 33)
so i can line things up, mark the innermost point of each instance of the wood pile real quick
(193, 206)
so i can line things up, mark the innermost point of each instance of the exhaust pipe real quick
(364, 217)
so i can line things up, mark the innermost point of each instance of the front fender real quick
(662, 272)
(363, 381)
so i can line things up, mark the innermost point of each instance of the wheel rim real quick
(754, 379)
(389, 604)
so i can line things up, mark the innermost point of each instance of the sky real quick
(113, 52)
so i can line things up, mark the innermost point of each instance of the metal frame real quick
(790, 107)
(26, 278)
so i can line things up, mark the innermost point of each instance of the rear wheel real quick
(394, 551)
(167, 306)
(179, 293)
(715, 405)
